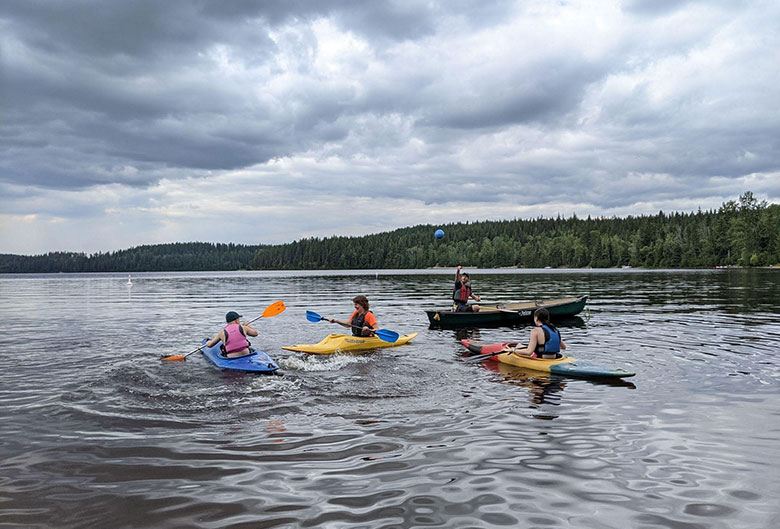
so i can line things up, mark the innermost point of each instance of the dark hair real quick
(464, 274)
(361, 300)
(543, 315)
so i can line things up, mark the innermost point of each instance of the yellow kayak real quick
(565, 365)
(334, 343)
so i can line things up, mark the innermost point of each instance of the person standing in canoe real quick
(363, 322)
(462, 293)
(234, 336)
(545, 340)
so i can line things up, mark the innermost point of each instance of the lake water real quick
(96, 432)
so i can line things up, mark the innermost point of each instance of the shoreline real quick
(395, 271)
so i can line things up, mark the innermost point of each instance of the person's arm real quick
(532, 341)
(343, 323)
(249, 330)
(370, 323)
(476, 298)
(219, 337)
(563, 345)
(457, 274)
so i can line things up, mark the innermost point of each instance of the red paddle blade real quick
(173, 357)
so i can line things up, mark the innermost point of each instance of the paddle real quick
(272, 310)
(512, 311)
(500, 307)
(489, 355)
(383, 334)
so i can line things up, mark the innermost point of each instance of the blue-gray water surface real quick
(97, 432)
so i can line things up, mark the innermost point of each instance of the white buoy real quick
(129, 281)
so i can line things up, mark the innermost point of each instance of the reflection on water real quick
(97, 432)
(542, 388)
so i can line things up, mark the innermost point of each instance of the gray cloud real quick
(448, 103)
(654, 7)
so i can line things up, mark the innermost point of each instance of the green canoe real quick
(501, 313)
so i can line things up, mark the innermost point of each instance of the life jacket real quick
(552, 342)
(462, 293)
(235, 339)
(358, 321)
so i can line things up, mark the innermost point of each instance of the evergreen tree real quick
(744, 232)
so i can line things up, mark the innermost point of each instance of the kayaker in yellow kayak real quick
(362, 322)
(233, 336)
(462, 292)
(545, 340)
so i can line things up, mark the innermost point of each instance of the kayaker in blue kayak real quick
(545, 340)
(234, 336)
(462, 293)
(362, 321)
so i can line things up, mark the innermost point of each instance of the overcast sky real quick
(139, 122)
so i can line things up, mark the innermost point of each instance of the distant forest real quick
(744, 232)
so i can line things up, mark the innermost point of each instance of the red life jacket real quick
(462, 294)
(234, 338)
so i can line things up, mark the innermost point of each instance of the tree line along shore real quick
(743, 232)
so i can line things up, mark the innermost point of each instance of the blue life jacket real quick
(552, 341)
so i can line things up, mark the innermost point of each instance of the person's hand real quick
(366, 328)
(477, 297)
(459, 268)
(332, 320)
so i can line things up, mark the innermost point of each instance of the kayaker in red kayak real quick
(363, 322)
(545, 340)
(462, 293)
(233, 336)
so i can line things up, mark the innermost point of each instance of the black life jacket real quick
(357, 322)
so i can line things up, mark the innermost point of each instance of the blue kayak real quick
(255, 362)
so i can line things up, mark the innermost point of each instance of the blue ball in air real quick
(439, 234)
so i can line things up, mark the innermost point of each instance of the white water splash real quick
(331, 362)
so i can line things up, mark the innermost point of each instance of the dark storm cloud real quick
(129, 81)
(134, 82)
(518, 99)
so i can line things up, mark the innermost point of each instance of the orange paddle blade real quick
(173, 357)
(274, 309)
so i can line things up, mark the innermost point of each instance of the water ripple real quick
(98, 432)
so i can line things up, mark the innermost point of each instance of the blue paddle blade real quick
(313, 316)
(386, 335)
